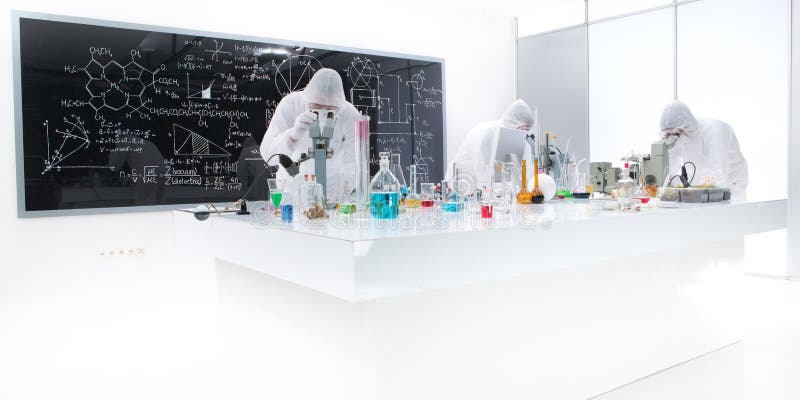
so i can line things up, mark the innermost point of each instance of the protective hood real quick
(325, 88)
(517, 114)
(678, 115)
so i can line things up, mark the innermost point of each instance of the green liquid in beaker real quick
(276, 199)
(346, 208)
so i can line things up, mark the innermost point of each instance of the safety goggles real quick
(672, 133)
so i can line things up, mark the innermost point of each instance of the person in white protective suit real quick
(475, 158)
(288, 129)
(708, 143)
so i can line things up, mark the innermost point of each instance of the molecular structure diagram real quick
(118, 87)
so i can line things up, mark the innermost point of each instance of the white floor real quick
(764, 366)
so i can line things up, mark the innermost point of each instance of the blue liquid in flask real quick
(384, 205)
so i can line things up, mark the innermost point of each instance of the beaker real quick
(412, 199)
(583, 184)
(275, 193)
(427, 195)
(487, 207)
(287, 209)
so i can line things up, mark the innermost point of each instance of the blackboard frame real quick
(17, 15)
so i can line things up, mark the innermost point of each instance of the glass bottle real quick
(524, 196)
(537, 197)
(305, 193)
(384, 192)
(626, 187)
(313, 206)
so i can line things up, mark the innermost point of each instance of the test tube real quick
(362, 162)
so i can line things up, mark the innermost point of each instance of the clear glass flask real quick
(384, 192)
(537, 197)
(397, 170)
(524, 196)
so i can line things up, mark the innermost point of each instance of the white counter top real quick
(363, 259)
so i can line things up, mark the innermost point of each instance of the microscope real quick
(655, 167)
(321, 133)
(646, 169)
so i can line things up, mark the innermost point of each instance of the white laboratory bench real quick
(564, 301)
(359, 260)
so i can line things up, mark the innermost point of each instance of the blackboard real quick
(119, 117)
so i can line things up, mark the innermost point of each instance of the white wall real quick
(794, 148)
(544, 16)
(77, 325)
(558, 87)
(748, 92)
(630, 81)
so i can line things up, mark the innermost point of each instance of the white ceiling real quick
(503, 8)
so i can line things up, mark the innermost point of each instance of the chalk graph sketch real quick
(204, 93)
(217, 50)
(116, 87)
(390, 108)
(293, 73)
(65, 144)
(423, 171)
(189, 143)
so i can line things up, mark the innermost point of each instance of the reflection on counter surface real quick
(471, 218)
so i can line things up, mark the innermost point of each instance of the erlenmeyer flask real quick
(397, 170)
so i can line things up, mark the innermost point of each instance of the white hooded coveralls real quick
(476, 156)
(285, 136)
(710, 144)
